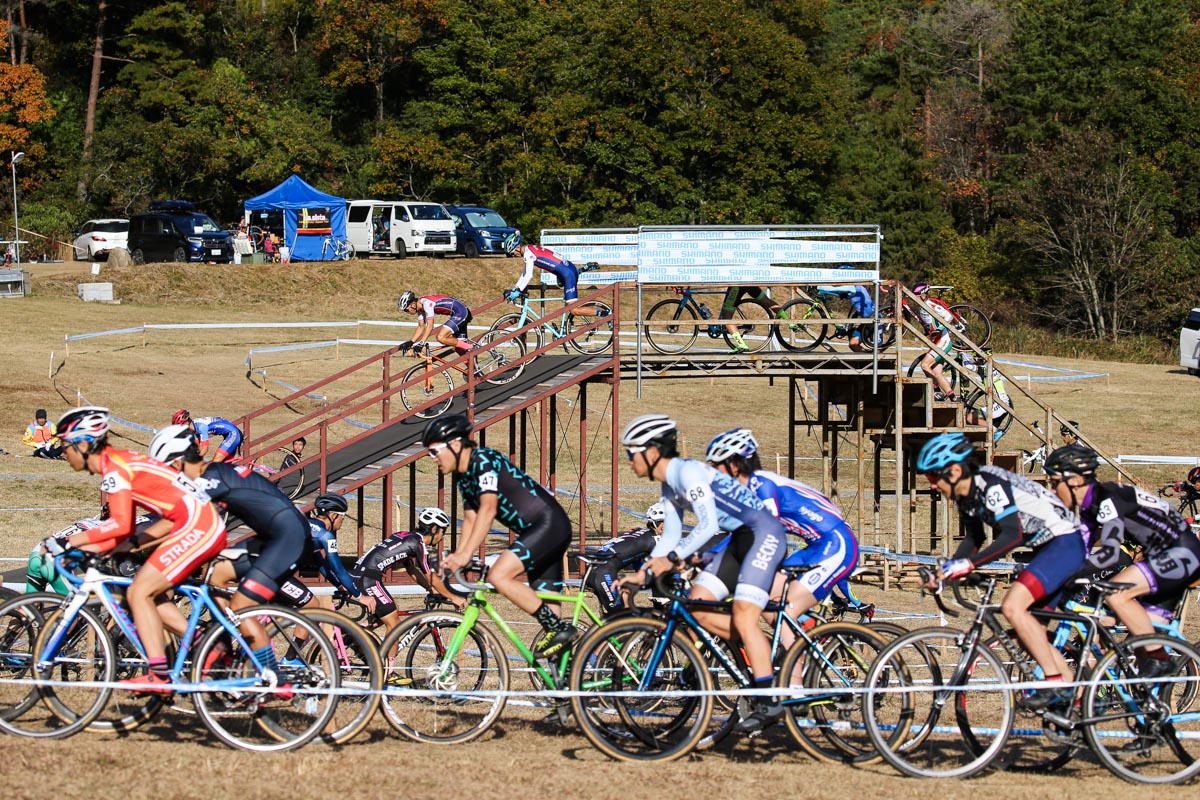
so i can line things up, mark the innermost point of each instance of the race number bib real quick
(489, 482)
(996, 500)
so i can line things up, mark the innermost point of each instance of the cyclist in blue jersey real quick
(750, 545)
(324, 522)
(627, 551)
(495, 489)
(831, 547)
(451, 333)
(536, 257)
(205, 427)
(862, 306)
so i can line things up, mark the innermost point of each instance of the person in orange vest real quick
(41, 436)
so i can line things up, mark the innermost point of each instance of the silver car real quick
(97, 237)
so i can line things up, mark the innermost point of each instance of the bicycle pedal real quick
(1061, 721)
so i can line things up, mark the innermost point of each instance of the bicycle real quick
(1036, 458)
(669, 327)
(1141, 731)
(806, 329)
(357, 612)
(360, 667)
(580, 326)
(1188, 506)
(432, 379)
(337, 249)
(971, 324)
(74, 660)
(272, 464)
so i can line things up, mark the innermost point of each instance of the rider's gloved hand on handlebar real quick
(52, 546)
(955, 568)
(513, 295)
(404, 347)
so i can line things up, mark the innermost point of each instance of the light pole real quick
(16, 159)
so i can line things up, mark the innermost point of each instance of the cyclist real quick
(1067, 432)
(190, 529)
(324, 522)
(1020, 512)
(831, 547)
(998, 414)
(733, 296)
(281, 532)
(205, 427)
(1189, 489)
(41, 575)
(544, 258)
(933, 364)
(1113, 512)
(626, 551)
(750, 545)
(417, 551)
(495, 489)
(862, 306)
(452, 333)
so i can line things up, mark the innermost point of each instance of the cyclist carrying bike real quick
(750, 545)
(831, 547)
(1111, 513)
(934, 362)
(998, 414)
(451, 333)
(862, 306)
(191, 530)
(735, 295)
(417, 551)
(495, 489)
(536, 257)
(1020, 512)
(206, 427)
(627, 551)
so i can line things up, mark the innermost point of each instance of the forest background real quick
(1041, 155)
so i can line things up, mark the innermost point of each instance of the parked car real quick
(399, 228)
(97, 237)
(1189, 342)
(172, 230)
(481, 231)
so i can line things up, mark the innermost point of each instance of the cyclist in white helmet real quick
(627, 551)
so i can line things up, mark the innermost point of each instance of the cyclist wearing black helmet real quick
(1021, 512)
(1112, 512)
(1188, 489)
(324, 521)
(452, 332)
(495, 489)
(752, 545)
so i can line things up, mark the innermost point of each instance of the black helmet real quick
(1194, 474)
(331, 503)
(1063, 430)
(1073, 459)
(444, 429)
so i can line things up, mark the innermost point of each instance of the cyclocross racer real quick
(626, 551)
(208, 426)
(451, 333)
(543, 258)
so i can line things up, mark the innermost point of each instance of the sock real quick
(1157, 654)
(764, 683)
(266, 657)
(549, 620)
(159, 668)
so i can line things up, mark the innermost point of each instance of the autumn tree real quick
(23, 100)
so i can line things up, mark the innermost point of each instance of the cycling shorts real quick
(569, 275)
(277, 557)
(1051, 569)
(541, 550)
(197, 541)
(833, 558)
(458, 322)
(944, 344)
(1169, 572)
(745, 567)
(231, 442)
(384, 604)
(291, 592)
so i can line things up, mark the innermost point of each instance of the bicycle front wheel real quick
(21, 620)
(599, 338)
(433, 695)
(430, 387)
(667, 326)
(751, 317)
(973, 324)
(530, 340)
(495, 363)
(360, 667)
(804, 330)
(963, 715)
(668, 719)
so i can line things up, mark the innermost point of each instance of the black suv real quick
(172, 230)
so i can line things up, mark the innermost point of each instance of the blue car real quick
(480, 230)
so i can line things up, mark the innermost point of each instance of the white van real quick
(399, 228)
(1189, 343)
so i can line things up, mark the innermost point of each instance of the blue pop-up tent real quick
(309, 215)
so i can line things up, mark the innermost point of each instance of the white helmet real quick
(656, 513)
(83, 424)
(433, 516)
(737, 442)
(406, 300)
(649, 429)
(172, 442)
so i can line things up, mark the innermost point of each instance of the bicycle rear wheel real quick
(429, 387)
(973, 324)
(667, 326)
(599, 338)
(751, 317)
(530, 340)
(360, 667)
(433, 697)
(494, 364)
(805, 329)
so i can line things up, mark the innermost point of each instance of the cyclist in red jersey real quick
(191, 529)
(452, 332)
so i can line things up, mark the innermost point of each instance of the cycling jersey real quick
(1021, 511)
(208, 426)
(544, 258)
(325, 548)
(626, 551)
(400, 546)
(457, 311)
(862, 304)
(721, 506)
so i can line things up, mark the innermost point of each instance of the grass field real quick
(1135, 409)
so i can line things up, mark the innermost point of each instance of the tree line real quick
(1039, 154)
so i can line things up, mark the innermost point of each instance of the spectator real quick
(298, 450)
(271, 248)
(42, 437)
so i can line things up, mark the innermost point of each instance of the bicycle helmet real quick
(650, 429)
(943, 450)
(512, 242)
(433, 516)
(737, 442)
(920, 289)
(406, 299)
(181, 417)
(656, 513)
(1193, 475)
(172, 442)
(331, 503)
(447, 428)
(1063, 430)
(83, 424)
(1073, 459)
